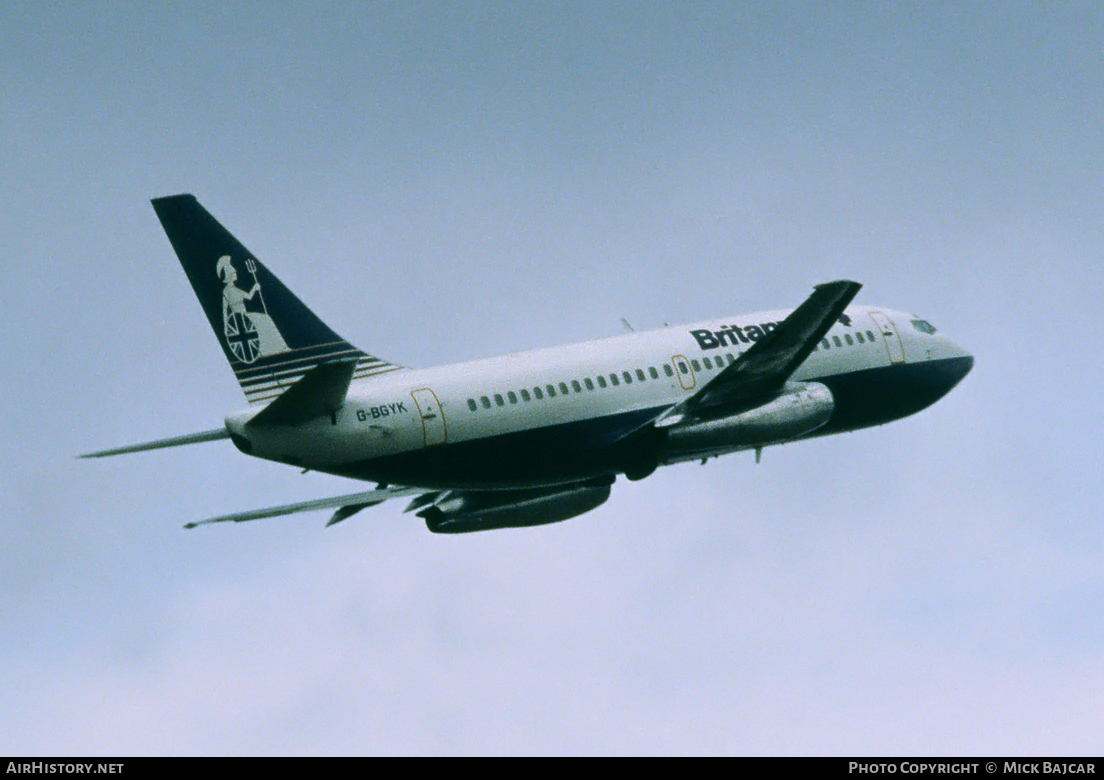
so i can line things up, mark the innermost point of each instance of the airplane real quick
(541, 436)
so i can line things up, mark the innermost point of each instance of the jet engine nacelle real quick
(461, 512)
(801, 408)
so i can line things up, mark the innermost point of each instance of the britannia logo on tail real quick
(250, 332)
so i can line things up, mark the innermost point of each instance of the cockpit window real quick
(923, 326)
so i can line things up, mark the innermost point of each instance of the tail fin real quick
(269, 336)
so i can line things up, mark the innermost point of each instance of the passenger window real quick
(837, 341)
(471, 404)
(847, 338)
(696, 365)
(589, 383)
(512, 396)
(870, 335)
(563, 387)
(601, 381)
(707, 362)
(653, 373)
(825, 343)
(860, 338)
(525, 395)
(731, 358)
(576, 386)
(485, 401)
(498, 400)
(627, 376)
(668, 370)
(683, 368)
(551, 391)
(640, 375)
(614, 380)
(537, 392)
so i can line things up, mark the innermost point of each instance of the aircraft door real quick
(890, 335)
(433, 419)
(684, 372)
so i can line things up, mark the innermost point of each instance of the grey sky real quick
(447, 181)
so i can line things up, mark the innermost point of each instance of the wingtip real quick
(849, 283)
(162, 199)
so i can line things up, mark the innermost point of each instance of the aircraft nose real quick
(957, 368)
(953, 365)
(928, 381)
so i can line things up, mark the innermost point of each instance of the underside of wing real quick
(758, 375)
(454, 511)
(347, 506)
(751, 402)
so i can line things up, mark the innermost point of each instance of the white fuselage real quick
(549, 403)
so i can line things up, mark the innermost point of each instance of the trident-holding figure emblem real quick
(250, 332)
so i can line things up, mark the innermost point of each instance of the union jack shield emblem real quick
(241, 337)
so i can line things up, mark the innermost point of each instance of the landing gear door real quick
(890, 336)
(433, 420)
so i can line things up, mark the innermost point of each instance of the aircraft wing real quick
(759, 374)
(347, 505)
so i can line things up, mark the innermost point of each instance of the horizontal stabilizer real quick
(359, 500)
(176, 441)
(320, 392)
